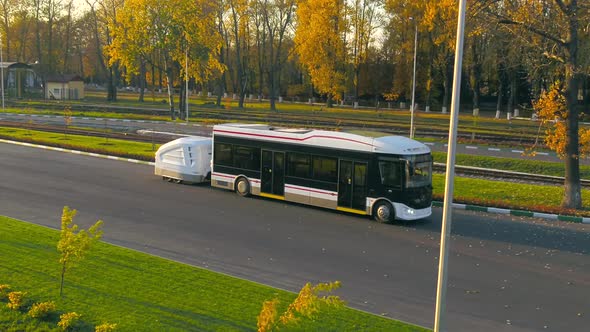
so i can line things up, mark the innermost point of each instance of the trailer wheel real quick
(242, 187)
(383, 212)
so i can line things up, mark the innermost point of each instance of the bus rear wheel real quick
(384, 212)
(243, 187)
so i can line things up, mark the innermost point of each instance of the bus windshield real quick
(418, 171)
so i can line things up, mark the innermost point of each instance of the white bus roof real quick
(322, 138)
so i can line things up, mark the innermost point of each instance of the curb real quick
(518, 213)
(135, 161)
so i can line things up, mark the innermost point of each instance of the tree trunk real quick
(220, 89)
(182, 103)
(112, 84)
(573, 192)
(61, 284)
(447, 84)
(142, 81)
(271, 74)
(475, 74)
(330, 101)
(170, 90)
(512, 95)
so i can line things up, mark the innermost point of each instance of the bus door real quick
(352, 185)
(273, 173)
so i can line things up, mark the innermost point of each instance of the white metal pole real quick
(1, 72)
(441, 288)
(414, 81)
(186, 79)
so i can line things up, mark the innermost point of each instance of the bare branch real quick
(564, 8)
(534, 30)
(554, 57)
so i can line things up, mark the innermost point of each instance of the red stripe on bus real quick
(291, 138)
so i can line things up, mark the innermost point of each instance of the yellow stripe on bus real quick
(272, 196)
(351, 210)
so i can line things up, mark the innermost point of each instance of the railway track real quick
(375, 120)
(159, 139)
(502, 175)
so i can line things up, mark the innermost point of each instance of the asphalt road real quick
(179, 128)
(505, 273)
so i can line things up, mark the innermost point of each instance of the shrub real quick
(41, 310)
(4, 288)
(68, 320)
(16, 300)
(309, 302)
(267, 319)
(106, 327)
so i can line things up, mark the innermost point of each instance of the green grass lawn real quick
(140, 292)
(101, 145)
(537, 198)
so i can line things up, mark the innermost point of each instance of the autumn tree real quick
(103, 17)
(145, 29)
(8, 9)
(554, 28)
(402, 18)
(236, 22)
(364, 20)
(277, 17)
(74, 243)
(319, 42)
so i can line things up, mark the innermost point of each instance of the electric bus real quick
(387, 177)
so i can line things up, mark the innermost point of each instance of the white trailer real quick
(186, 159)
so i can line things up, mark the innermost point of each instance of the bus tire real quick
(383, 212)
(242, 187)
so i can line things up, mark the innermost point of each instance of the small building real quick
(62, 87)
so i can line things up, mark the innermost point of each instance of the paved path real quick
(506, 273)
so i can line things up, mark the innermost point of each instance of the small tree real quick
(73, 244)
(67, 120)
(309, 301)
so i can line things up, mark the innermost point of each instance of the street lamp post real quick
(186, 79)
(414, 81)
(441, 286)
(1, 73)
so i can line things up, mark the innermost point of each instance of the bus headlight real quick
(410, 211)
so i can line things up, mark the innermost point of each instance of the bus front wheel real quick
(243, 187)
(383, 212)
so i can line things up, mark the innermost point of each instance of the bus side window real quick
(246, 157)
(325, 169)
(223, 154)
(298, 165)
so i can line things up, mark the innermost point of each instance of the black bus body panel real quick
(368, 185)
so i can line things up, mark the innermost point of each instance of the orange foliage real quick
(551, 107)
